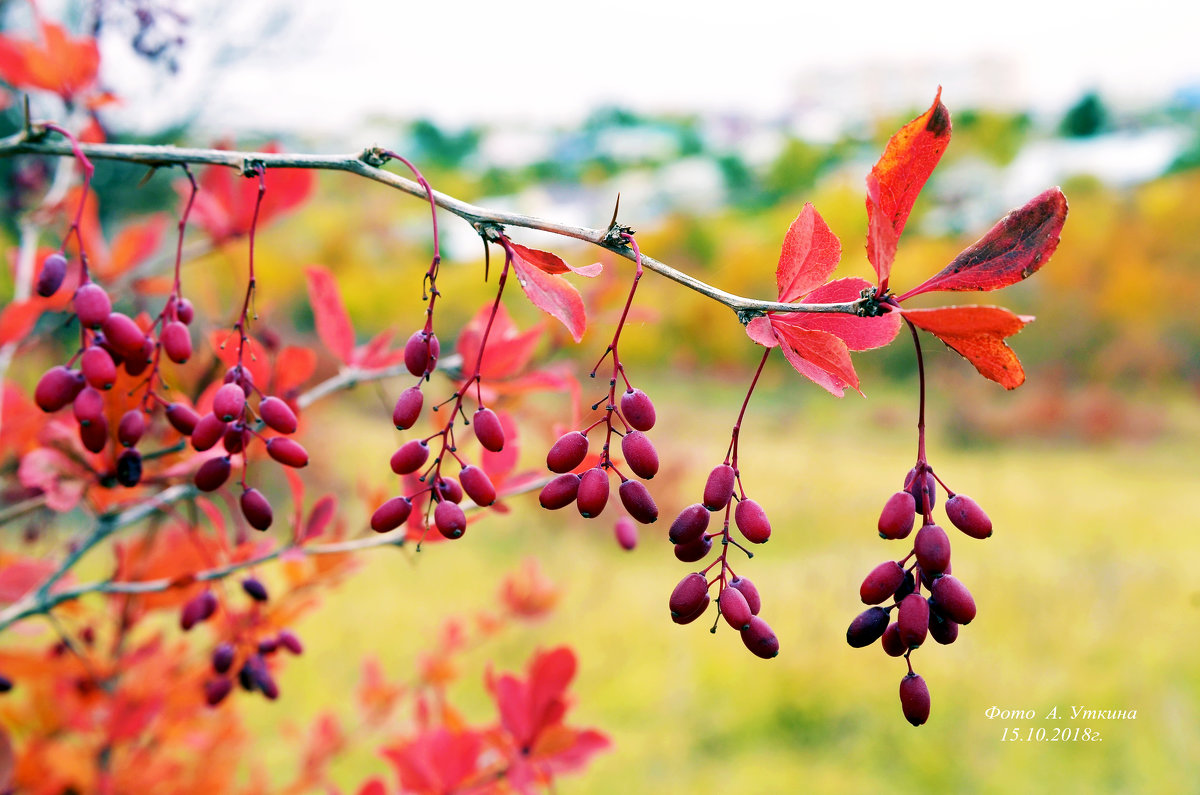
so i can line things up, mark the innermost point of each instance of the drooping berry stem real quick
(731, 455)
(921, 406)
(183, 220)
(250, 284)
(88, 171)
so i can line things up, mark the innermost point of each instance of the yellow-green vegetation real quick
(1087, 598)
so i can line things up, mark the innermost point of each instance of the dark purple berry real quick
(94, 435)
(593, 492)
(450, 489)
(197, 609)
(638, 502)
(129, 468)
(942, 629)
(751, 519)
(694, 550)
(421, 353)
(760, 639)
(255, 589)
(689, 594)
(256, 509)
(88, 406)
(914, 699)
(690, 617)
(881, 583)
(891, 641)
(488, 430)
(718, 489)
(182, 418)
(288, 640)
(216, 690)
(899, 514)
(749, 591)
(391, 514)
(185, 311)
(222, 658)
(640, 454)
(689, 525)
(913, 486)
(208, 432)
(408, 408)
(560, 492)
(867, 627)
(638, 409)
(54, 269)
(235, 438)
(568, 452)
(967, 516)
(124, 335)
(212, 474)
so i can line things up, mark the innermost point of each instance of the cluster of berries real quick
(947, 605)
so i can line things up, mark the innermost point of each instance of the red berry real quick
(208, 431)
(914, 699)
(751, 519)
(913, 486)
(640, 454)
(449, 519)
(690, 617)
(560, 492)
(123, 334)
(212, 474)
(593, 492)
(216, 690)
(749, 591)
(54, 269)
(288, 640)
(967, 516)
(136, 363)
(689, 525)
(735, 608)
(942, 629)
(94, 435)
(255, 589)
(229, 401)
(184, 311)
(176, 342)
(867, 627)
(408, 408)
(131, 427)
(488, 430)
(913, 619)
(718, 490)
(694, 550)
(760, 638)
(626, 533)
(933, 549)
(896, 520)
(638, 502)
(638, 409)
(891, 641)
(88, 406)
(287, 452)
(182, 418)
(952, 599)
(222, 657)
(98, 367)
(477, 485)
(568, 452)
(197, 609)
(689, 594)
(882, 582)
(421, 353)
(235, 438)
(256, 509)
(129, 468)
(410, 457)
(92, 305)
(450, 489)
(391, 514)
(278, 415)
(242, 377)
(57, 387)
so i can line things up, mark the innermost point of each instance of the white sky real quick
(336, 61)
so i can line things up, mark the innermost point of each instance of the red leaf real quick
(225, 209)
(809, 256)
(254, 356)
(499, 466)
(18, 319)
(62, 479)
(895, 181)
(817, 355)
(552, 263)
(376, 353)
(553, 295)
(134, 243)
(760, 330)
(320, 516)
(333, 324)
(293, 366)
(1015, 249)
(977, 333)
(859, 333)
(436, 761)
(508, 349)
(57, 63)
(19, 576)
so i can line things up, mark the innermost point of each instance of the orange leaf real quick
(977, 333)
(18, 319)
(897, 179)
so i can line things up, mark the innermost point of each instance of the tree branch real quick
(368, 164)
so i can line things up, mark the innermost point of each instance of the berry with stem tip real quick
(477, 485)
(688, 595)
(228, 402)
(421, 353)
(638, 502)
(883, 581)
(129, 468)
(640, 454)
(54, 270)
(751, 520)
(278, 415)
(408, 408)
(568, 452)
(98, 368)
(182, 418)
(966, 515)
(410, 457)
(124, 335)
(560, 492)
(952, 599)
(694, 550)
(898, 516)
(450, 520)
(932, 548)
(391, 514)
(913, 619)
(176, 342)
(57, 387)
(593, 492)
(257, 509)
(92, 305)
(735, 608)
(488, 430)
(867, 627)
(749, 591)
(131, 427)
(689, 525)
(638, 409)
(718, 489)
(287, 452)
(208, 432)
(914, 699)
(760, 639)
(212, 474)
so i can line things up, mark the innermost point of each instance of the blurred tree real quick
(1086, 118)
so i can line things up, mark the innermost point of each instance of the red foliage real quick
(59, 62)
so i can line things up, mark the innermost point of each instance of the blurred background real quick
(715, 126)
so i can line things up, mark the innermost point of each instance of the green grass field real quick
(1087, 598)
